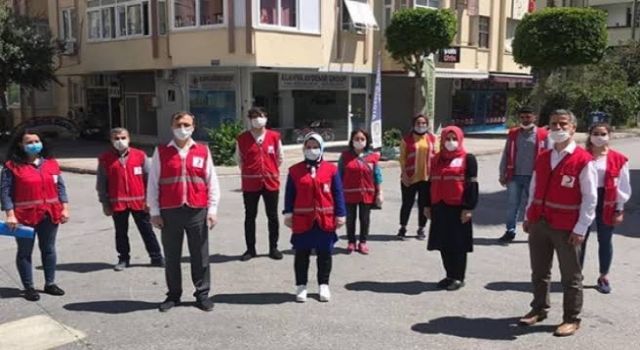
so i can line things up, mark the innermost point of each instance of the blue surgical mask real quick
(33, 149)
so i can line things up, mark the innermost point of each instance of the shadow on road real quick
(6, 293)
(112, 306)
(407, 288)
(479, 328)
(82, 267)
(254, 298)
(484, 241)
(556, 287)
(376, 238)
(215, 259)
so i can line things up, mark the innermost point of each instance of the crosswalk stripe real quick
(36, 333)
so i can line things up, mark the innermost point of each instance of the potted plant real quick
(391, 144)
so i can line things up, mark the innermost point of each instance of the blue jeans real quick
(605, 235)
(46, 232)
(517, 196)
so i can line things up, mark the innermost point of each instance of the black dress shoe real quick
(204, 304)
(402, 233)
(52, 289)
(275, 254)
(248, 255)
(444, 283)
(31, 294)
(157, 262)
(421, 235)
(508, 237)
(121, 265)
(455, 285)
(168, 304)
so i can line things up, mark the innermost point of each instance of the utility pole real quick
(634, 19)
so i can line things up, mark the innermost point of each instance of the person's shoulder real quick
(243, 135)
(329, 166)
(273, 133)
(617, 156)
(297, 166)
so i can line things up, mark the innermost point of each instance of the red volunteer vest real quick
(259, 162)
(615, 162)
(125, 182)
(448, 180)
(412, 152)
(35, 192)
(183, 182)
(314, 197)
(512, 152)
(357, 177)
(557, 196)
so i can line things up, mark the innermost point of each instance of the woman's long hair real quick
(589, 145)
(366, 136)
(16, 153)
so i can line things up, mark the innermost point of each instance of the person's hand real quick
(525, 226)
(157, 222)
(618, 218)
(465, 216)
(12, 222)
(288, 221)
(379, 199)
(212, 220)
(576, 239)
(64, 216)
(405, 179)
(340, 221)
(106, 210)
(146, 208)
(427, 213)
(503, 181)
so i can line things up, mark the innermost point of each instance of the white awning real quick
(449, 73)
(361, 15)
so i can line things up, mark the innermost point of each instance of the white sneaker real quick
(301, 294)
(325, 293)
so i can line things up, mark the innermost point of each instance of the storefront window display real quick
(212, 99)
(480, 106)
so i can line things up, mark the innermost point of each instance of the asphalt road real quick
(386, 300)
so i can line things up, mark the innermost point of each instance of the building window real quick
(278, 13)
(118, 19)
(162, 17)
(512, 24)
(387, 14)
(194, 13)
(427, 3)
(67, 28)
(483, 31)
(358, 16)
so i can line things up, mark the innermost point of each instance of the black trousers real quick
(455, 264)
(251, 200)
(301, 266)
(142, 220)
(409, 198)
(194, 222)
(364, 211)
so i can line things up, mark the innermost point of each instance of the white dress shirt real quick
(259, 140)
(624, 183)
(588, 187)
(153, 187)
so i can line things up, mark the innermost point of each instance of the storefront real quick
(300, 102)
(480, 105)
(213, 99)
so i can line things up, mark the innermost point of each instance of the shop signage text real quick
(449, 55)
(302, 81)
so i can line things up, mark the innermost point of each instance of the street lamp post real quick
(634, 19)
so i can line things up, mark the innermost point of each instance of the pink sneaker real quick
(351, 247)
(363, 249)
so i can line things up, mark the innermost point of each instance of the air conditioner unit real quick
(69, 48)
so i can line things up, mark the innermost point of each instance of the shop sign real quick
(214, 82)
(449, 55)
(310, 81)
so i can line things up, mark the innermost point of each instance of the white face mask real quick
(359, 145)
(312, 154)
(559, 136)
(451, 145)
(421, 129)
(183, 134)
(599, 141)
(121, 145)
(527, 127)
(259, 122)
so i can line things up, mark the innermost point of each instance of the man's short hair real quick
(526, 109)
(116, 131)
(180, 115)
(572, 118)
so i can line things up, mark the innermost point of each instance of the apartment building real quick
(133, 63)
(473, 76)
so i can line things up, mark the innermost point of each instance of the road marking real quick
(36, 333)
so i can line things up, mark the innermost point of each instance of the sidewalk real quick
(80, 156)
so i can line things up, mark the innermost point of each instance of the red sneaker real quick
(351, 247)
(363, 249)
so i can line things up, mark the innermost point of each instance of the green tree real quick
(26, 56)
(556, 38)
(223, 142)
(413, 35)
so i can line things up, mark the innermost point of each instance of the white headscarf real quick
(312, 165)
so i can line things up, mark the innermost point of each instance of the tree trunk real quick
(541, 92)
(5, 124)
(419, 99)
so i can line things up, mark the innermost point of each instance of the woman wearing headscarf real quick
(416, 152)
(314, 209)
(614, 190)
(452, 195)
(33, 194)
